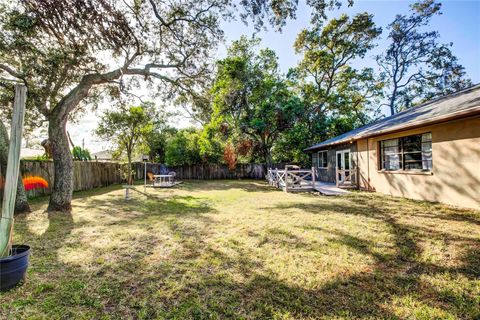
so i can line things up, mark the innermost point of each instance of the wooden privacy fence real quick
(92, 174)
(205, 171)
(86, 174)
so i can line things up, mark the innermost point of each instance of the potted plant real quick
(13, 258)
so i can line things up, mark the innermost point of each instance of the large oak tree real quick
(69, 53)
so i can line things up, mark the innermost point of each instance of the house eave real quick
(314, 149)
(471, 112)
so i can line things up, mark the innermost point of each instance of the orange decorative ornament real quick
(31, 183)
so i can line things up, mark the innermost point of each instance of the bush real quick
(230, 157)
(183, 148)
(81, 154)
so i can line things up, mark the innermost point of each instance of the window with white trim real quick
(407, 153)
(322, 159)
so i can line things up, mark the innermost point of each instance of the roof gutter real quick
(471, 112)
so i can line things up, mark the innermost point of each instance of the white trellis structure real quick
(349, 177)
(293, 178)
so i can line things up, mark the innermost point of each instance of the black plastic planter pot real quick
(13, 268)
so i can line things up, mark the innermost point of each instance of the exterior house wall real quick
(328, 174)
(455, 176)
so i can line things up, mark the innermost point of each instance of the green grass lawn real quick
(243, 250)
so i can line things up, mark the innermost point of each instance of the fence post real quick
(286, 178)
(275, 182)
(336, 176)
(13, 168)
(313, 177)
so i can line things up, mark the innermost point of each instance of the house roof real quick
(30, 153)
(453, 106)
(103, 155)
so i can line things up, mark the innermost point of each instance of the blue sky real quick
(460, 24)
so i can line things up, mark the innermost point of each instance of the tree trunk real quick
(392, 103)
(129, 170)
(393, 97)
(21, 202)
(61, 197)
(267, 156)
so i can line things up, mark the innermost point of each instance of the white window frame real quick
(318, 159)
(343, 173)
(401, 154)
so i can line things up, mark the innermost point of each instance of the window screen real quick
(407, 153)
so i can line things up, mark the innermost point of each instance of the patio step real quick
(329, 189)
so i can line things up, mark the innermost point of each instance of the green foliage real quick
(183, 148)
(279, 11)
(250, 98)
(190, 146)
(128, 127)
(289, 147)
(81, 154)
(156, 143)
(324, 95)
(210, 146)
(43, 157)
(334, 97)
(326, 79)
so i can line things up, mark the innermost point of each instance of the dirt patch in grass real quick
(240, 249)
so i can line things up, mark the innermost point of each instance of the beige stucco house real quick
(429, 152)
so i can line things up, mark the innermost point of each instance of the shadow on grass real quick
(399, 274)
(396, 274)
(44, 263)
(198, 281)
(226, 185)
(78, 194)
(57, 287)
(139, 210)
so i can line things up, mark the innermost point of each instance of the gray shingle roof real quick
(461, 103)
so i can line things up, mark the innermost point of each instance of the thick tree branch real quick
(12, 71)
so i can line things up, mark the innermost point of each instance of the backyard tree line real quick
(251, 112)
(75, 54)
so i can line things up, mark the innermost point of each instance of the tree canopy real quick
(253, 112)
(127, 128)
(252, 103)
(334, 96)
(72, 53)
